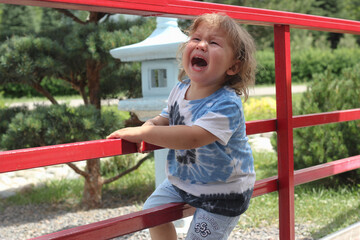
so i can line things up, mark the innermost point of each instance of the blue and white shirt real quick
(218, 177)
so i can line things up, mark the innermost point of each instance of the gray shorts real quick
(205, 225)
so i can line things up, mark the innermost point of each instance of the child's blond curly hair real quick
(241, 42)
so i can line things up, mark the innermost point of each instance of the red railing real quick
(284, 123)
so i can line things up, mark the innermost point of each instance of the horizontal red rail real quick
(265, 186)
(125, 224)
(326, 170)
(189, 9)
(309, 174)
(21, 159)
(325, 118)
(137, 221)
(260, 126)
(269, 125)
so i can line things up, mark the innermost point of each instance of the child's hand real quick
(131, 134)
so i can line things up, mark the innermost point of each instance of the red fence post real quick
(284, 132)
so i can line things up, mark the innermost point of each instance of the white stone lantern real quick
(159, 74)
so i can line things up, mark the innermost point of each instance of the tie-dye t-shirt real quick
(218, 177)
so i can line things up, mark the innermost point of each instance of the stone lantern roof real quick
(163, 43)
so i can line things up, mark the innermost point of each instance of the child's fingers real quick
(110, 136)
(113, 135)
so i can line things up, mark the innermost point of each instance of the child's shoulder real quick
(226, 98)
(229, 95)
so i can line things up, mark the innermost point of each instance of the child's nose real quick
(202, 45)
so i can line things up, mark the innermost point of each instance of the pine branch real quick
(106, 181)
(78, 170)
(70, 15)
(44, 92)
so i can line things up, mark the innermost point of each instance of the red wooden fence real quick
(284, 123)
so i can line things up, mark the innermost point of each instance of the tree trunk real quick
(93, 77)
(93, 184)
(83, 95)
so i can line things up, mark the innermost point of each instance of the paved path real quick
(256, 91)
(74, 103)
(263, 91)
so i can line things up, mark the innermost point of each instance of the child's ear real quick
(234, 69)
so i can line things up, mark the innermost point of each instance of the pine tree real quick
(72, 46)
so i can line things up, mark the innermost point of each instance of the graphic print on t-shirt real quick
(188, 156)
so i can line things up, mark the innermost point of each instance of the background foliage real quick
(307, 63)
(321, 144)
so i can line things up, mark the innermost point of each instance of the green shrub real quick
(2, 102)
(56, 124)
(307, 63)
(325, 143)
(6, 114)
(260, 108)
(266, 67)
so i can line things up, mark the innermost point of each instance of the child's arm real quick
(173, 137)
(157, 121)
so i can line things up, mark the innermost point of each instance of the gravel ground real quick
(24, 222)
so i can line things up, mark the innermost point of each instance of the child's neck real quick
(195, 92)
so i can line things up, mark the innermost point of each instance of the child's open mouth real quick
(198, 62)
